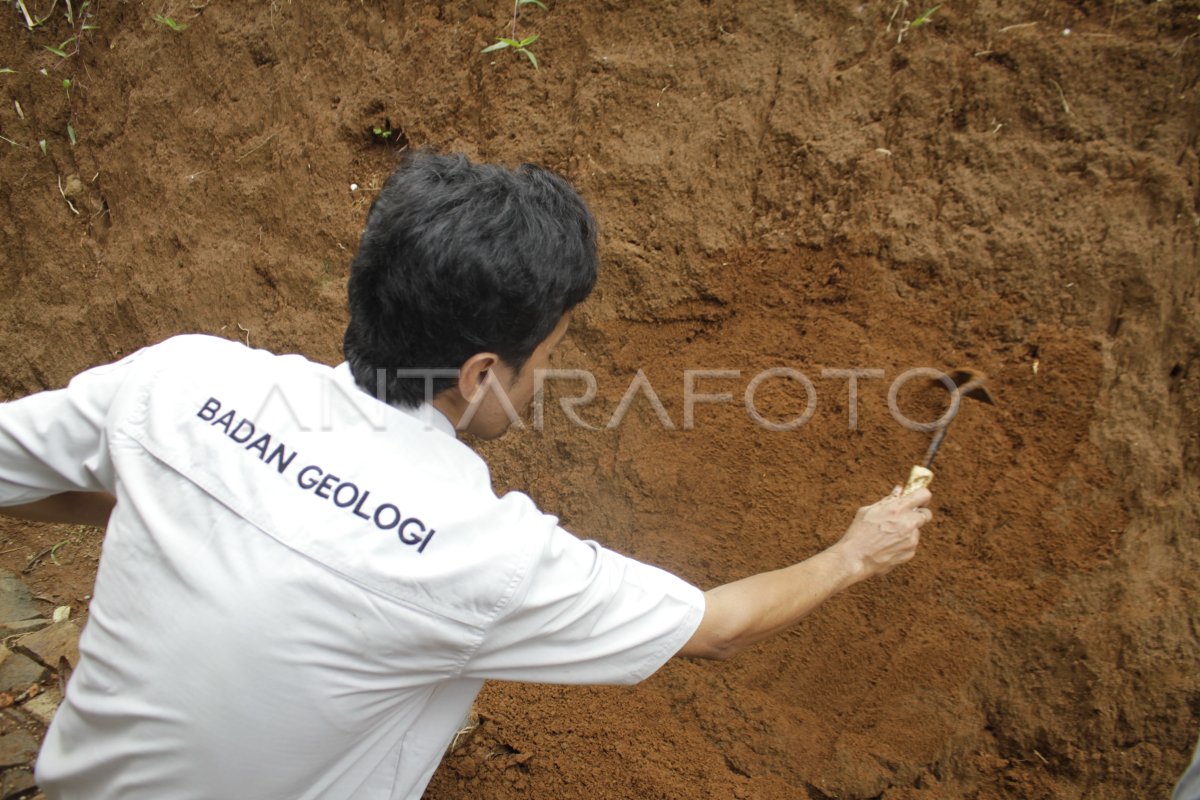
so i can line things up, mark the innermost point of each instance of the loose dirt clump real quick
(1012, 187)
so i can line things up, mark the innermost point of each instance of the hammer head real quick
(972, 383)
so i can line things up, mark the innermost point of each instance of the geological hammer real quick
(967, 383)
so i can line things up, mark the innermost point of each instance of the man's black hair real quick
(458, 259)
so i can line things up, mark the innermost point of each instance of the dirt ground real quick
(1012, 186)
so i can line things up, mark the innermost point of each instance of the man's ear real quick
(474, 374)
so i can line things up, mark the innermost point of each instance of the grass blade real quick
(925, 17)
(170, 22)
(25, 13)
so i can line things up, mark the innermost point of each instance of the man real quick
(1188, 786)
(306, 577)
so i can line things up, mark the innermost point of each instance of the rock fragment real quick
(17, 783)
(43, 707)
(18, 672)
(16, 601)
(23, 626)
(51, 645)
(17, 747)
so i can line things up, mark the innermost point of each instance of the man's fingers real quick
(915, 500)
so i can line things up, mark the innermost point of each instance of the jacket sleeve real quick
(589, 615)
(56, 441)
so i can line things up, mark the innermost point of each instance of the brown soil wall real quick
(1013, 187)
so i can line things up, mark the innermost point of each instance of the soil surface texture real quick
(1010, 186)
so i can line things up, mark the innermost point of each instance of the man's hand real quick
(885, 534)
(744, 612)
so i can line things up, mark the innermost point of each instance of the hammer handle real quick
(918, 478)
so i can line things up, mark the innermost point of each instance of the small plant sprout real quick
(521, 47)
(29, 23)
(42, 145)
(513, 42)
(71, 134)
(385, 133)
(169, 22)
(924, 19)
(79, 16)
(61, 50)
(7, 71)
(72, 13)
(67, 87)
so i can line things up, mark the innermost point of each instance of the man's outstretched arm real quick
(745, 612)
(71, 508)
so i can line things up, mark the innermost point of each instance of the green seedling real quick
(81, 14)
(61, 50)
(381, 133)
(7, 70)
(67, 87)
(29, 23)
(925, 17)
(504, 43)
(42, 145)
(512, 42)
(71, 15)
(168, 22)
(71, 134)
(32, 23)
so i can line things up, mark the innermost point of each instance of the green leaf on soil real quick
(170, 22)
(925, 17)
